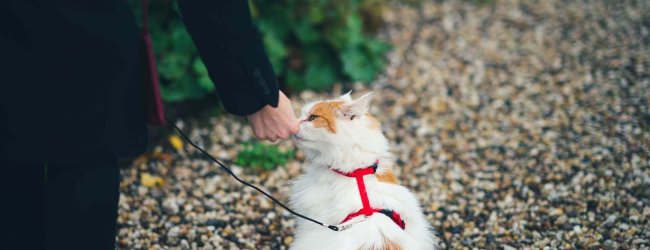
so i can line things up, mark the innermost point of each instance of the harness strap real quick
(366, 209)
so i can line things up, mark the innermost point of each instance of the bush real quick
(311, 44)
(314, 44)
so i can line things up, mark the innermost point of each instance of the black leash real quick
(332, 227)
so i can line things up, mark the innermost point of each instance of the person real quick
(71, 105)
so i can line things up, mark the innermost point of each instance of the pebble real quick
(170, 206)
(518, 124)
(288, 240)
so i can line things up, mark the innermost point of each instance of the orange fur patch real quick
(387, 176)
(373, 122)
(326, 112)
(389, 245)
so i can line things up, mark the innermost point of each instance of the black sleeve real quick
(232, 50)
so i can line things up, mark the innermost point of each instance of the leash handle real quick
(155, 109)
(331, 227)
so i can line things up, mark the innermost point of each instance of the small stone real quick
(185, 244)
(577, 229)
(265, 204)
(173, 232)
(507, 247)
(611, 219)
(170, 206)
(288, 240)
(624, 226)
(226, 231)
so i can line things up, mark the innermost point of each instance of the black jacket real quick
(71, 83)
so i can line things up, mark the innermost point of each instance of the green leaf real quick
(306, 32)
(320, 76)
(377, 47)
(357, 64)
(316, 14)
(273, 33)
(201, 72)
(276, 51)
(376, 50)
(277, 24)
(294, 79)
(354, 30)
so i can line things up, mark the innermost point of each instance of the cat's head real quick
(340, 131)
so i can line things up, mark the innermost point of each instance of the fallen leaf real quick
(176, 142)
(149, 180)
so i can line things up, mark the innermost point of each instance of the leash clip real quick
(349, 224)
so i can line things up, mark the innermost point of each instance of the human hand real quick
(271, 123)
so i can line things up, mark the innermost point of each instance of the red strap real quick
(153, 100)
(361, 171)
(367, 210)
(358, 175)
(392, 214)
(358, 213)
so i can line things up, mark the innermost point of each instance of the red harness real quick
(367, 210)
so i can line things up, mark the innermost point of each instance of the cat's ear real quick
(346, 97)
(356, 108)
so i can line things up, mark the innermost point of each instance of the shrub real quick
(311, 44)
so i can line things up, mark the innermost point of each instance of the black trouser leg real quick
(21, 186)
(81, 206)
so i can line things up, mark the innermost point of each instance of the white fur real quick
(325, 195)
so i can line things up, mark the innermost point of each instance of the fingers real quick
(284, 134)
(275, 123)
(290, 124)
(259, 134)
(294, 128)
(279, 134)
(273, 131)
(290, 127)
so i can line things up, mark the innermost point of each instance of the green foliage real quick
(262, 156)
(311, 44)
(182, 73)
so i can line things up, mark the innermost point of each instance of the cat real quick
(341, 141)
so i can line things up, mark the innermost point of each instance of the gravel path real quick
(518, 125)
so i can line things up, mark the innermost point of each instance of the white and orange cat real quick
(347, 156)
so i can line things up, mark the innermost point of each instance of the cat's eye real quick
(312, 117)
